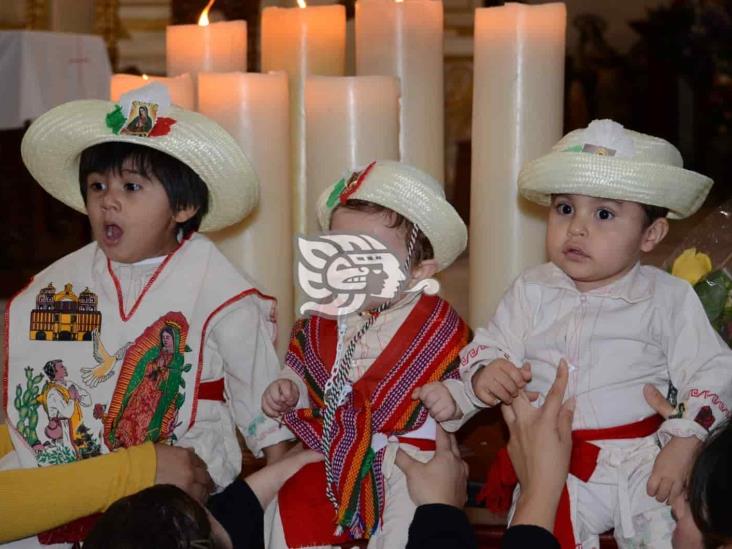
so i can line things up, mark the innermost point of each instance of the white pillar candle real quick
(404, 39)
(180, 87)
(213, 47)
(517, 116)
(350, 121)
(302, 41)
(254, 109)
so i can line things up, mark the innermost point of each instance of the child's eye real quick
(604, 214)
(96, 186)
(132, 187)
(564, 209)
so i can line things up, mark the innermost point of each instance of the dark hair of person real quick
(49, 368)
(653, 213)
(159, 517)
(422, 248)
(710, 488)
(182, 185)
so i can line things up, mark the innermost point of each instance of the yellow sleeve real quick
(36, 500)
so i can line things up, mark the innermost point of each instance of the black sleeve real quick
(526, 535)
(239, 512)
(440, 526)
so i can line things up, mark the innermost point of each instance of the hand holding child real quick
(279, 397)
(673, 463)
(500, 381)
(437, 399)
(183, 468)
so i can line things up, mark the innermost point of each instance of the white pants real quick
(398, 511)
(616, 497)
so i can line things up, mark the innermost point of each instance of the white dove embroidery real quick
(105, 362)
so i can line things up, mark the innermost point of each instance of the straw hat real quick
(606, 160)
(52, 146)
(409, 192)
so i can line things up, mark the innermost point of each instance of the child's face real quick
(130, 215)
(596, 241)
(373, 224)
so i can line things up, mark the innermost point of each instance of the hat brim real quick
(400, 190)
(679, 190)
(53, 144)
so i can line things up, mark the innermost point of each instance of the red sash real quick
(501, 481)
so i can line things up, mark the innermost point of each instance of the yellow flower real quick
(692, 266)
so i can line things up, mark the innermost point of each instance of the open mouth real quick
(112, 233)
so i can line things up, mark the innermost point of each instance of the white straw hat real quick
(409, 192)
(52, 146)
(606, 160)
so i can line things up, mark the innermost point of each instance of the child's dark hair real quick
(653, 213)
(182, 185)
(710, 488)
(162, 516)
(422, 247)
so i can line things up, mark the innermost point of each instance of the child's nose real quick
(577, 227)
(110, 200)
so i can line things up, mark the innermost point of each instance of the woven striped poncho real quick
(424, 349)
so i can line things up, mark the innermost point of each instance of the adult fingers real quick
(664, 489)
(566, 415)
(404, 461)
(657, 401)
(509, 416)
(556, 392)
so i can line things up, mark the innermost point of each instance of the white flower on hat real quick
(608, 134)
(154, 92)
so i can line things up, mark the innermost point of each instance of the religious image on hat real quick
(53, 144)
(606, 160)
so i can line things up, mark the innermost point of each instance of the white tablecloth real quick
(39, 70)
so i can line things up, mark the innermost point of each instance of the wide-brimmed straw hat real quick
(606, 160)
(408, 191)
(52, 146)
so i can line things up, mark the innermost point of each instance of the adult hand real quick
(540, 447)
(184, 469)
(443, 479)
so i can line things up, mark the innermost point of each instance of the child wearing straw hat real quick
(148, 334)
(618, 325)
(352, 384)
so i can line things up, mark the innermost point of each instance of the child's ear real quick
(425, 269)
(653, 234)
(183, 215)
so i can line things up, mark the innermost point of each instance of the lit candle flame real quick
(145, 77)
(203, 20)
(398, 1)
(301, 3)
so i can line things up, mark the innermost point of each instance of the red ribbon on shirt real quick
(501, 480)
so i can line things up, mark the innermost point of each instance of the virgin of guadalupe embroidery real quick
(150, 388)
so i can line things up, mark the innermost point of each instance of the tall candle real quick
(180, 87)
(404, 39)
(213, 47)
(517, 116)
(302, 41)
(254, 109)
(350, 121)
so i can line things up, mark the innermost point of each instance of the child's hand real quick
(438, 401)
(500, 381)
(674, 461)
(281, 395)
(672, 468)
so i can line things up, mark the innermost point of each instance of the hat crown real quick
(617, 141)
(392, 171)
